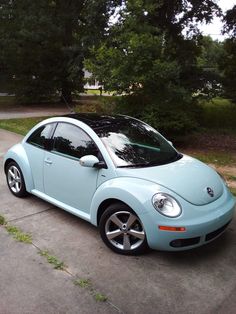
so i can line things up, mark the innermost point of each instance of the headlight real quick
(166, 205)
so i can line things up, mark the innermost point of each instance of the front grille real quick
(215, 233)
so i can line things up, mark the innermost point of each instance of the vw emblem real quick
(210, 192)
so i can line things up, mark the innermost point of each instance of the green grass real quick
(2, 220)
(100, 297)
(53, 260)
(20, 126)
(92, 91)
(218, 158)
(219, 113)
(83, 283)
(87, 284)
(18, 234)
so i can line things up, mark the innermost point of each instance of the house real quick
(91, 83)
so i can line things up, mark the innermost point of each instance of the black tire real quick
(123, 240)
(15, 180)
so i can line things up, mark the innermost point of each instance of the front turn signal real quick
(168, 228)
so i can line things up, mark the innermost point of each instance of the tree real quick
(151, 54)
(212, 52)
(230, 22)
(44, 43)
(228, 63)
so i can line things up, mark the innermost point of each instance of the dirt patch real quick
(218, 140)
(228, 172)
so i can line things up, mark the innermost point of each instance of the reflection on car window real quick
(39, 137)
(72, 141)
(133, 143)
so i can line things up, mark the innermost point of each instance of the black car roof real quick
(96, 121)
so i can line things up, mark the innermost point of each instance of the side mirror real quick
(170, 143)
(91, 161)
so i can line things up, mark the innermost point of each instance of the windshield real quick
(132, 143)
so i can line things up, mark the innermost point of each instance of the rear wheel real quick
(122, 230)
(15, 180)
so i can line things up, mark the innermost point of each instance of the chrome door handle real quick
(48, 161)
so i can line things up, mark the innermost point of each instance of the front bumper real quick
(203, 224)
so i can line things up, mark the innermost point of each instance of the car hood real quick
(187, 177)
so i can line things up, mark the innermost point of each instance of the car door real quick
(65, 180)
(35, 147)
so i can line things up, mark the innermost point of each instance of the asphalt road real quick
(198, 281)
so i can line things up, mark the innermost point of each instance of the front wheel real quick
(122, 230)
(15, 180)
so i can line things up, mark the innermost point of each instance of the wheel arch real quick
(18, 155)
(7, 163)
(136, 195)
(105, 204)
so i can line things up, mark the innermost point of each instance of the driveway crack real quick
(30, 215)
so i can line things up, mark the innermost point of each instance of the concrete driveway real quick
(198, 281)
(20, 111)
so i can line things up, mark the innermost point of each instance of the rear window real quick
(40, 136)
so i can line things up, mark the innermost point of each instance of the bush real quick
(173, 120)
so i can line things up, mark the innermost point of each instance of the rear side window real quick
(41, 136)
(71, 141)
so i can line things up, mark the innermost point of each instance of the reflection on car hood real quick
(187, 177)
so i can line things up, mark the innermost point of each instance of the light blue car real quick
(121, 175)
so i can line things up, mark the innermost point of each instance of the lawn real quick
(218, 113)
(20, 126)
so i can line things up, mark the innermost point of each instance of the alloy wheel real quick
(14, 179)
(124, 231)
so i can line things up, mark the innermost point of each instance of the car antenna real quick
(67, 104)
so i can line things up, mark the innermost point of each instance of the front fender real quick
(18, 154)
(136, 193)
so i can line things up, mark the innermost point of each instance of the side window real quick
(71, 140)
(40, 136)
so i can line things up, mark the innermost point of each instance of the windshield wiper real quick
(138, 165)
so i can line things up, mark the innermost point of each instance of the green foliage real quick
(212, 52)
(100, 297)
(53, 260)
(18, 234)
(230, 22)
(228, 63)
(43, 44)
(218, 113)
(228, 67)
(147, 57)
(83, 283)
(2, 220)
(171, 121)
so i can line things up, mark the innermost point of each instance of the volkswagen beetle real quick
(120, 174)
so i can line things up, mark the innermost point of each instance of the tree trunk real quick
(66, 96)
